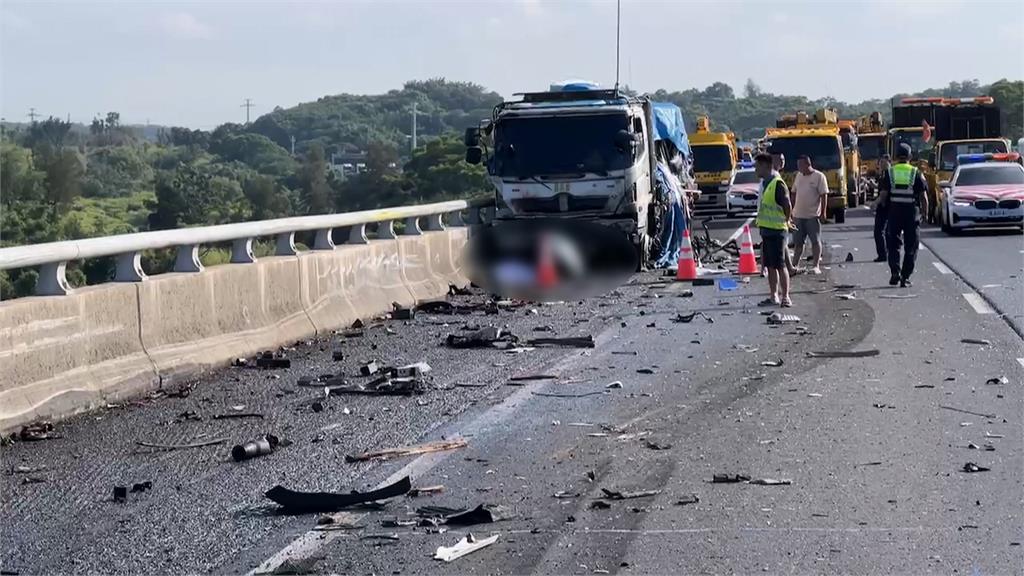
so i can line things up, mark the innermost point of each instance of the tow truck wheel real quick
(840, 214)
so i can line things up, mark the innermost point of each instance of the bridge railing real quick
(52, 258)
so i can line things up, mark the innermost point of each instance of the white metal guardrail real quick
(52, 258)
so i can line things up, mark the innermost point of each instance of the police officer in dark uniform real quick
(881, 214)
(904, 191)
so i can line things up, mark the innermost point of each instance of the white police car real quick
(986, 190)
(744, 192)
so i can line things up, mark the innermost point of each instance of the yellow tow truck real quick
(714, 166)
(871, 139)
(818, 137)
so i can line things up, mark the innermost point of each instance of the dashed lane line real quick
(978, 303)
(942, 268)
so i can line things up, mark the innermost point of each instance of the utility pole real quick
(248, 105)
(293, 145)
(414, 111)
(32, 115)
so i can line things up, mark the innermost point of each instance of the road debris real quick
(417, 370)
(28, 469)
(439, 446)
(978, 341)
(729, 478)
(532, 377)
(652, 445)
(849, 256)
(338, 355)
(425, 490)
(234, 415)
(616, 495)
(771, 482)
(339, 521)
(850, 296)
(844, 354)
(614, 385)
(746, 347)
(467, 545)
(482, 514)
(773, 363)
(997, 381)
(972, 467)
(688, 499)
(562, 494)
(402, 313)
(305, 502)
(120, 493)
(568, 395)
(687, 318)
(382, 386)
(987, 447)
(924, 386)
(898, 296)
(954, 409)
(33, 480)
(991, 435)
(780, 318)
(569, 342)
(38, 431)
(255, 448)
(487, 337)
(646, 371)
(599, 505)
(369, 368)
(274, 360)
(182, 446)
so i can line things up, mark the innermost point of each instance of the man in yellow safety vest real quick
(903, 189)
(774, 212)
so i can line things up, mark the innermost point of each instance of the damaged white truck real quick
(578, 156)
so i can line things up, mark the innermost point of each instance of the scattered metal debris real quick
(616, 495)
(567, 395)
(850, 296)
(402, 313)
(562, 494)
(967, 412)
(339, 521)
(688, 499)
(687, 318)
(771, 482)
(304, 502)
(780, 318)
(38, 431)
(972, 467)
(746, 347)
(120, 493)
(423, 490)
(467, 545)
(647, 371)
(486, 337)
(142, 486)
(234, 415)
(650, 444)
(844, 354)
(274, 360)
(997, 381)
(773, 363)
(407, 451)
(978, 341)
(729, 478)
(182, 446)
(255, 448)
(599, 505)
(570, 342)
(531, 377)
(382, 386)
(482, 514)
(614, 385)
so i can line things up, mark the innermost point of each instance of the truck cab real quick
(944, 157)
(817, 137)
(714, 166)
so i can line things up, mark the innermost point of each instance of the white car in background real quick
(986, 190)
(744, 193)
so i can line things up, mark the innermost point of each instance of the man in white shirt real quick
(810, 191)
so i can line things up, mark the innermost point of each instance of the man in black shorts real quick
(774, 213)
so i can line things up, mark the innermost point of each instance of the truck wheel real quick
(840, 214)
(852, 196)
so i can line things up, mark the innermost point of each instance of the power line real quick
(248, 105)
(32, 115)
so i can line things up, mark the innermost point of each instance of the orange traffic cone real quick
(547, 274)
(748, 262)
(687, 265)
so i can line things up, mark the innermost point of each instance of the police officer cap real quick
(904, 151)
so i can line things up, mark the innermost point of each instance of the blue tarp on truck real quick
(668, 125)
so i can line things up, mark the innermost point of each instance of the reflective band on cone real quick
(748, 262)
(547, 276)
(687, 265)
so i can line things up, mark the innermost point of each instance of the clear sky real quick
(193, 63)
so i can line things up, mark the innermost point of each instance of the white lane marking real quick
(756, 529)
(1021, 362)
(942, 268)
(739, 230)
(979, 304)
(921, 247)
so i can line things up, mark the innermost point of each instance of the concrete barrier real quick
(65, 354)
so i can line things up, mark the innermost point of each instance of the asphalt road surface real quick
(873, 447)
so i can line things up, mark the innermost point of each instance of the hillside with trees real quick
(60, 180)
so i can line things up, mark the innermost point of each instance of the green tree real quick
(267, 198)
(63, 169)
(438, 171)
(20, 181)
(1009, 95)
(316, 194)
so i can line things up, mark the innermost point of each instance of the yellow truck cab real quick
(871, 140)
(850, 138)
(714, 166)
(817, 137)
(943, 160)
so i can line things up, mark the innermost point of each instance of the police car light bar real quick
(746, 164)
(989, 157)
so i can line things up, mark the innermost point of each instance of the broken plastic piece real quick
(599, 505)
(779, 318)
(467, 545)
(370, 368)
(142, 486)
(270, 359)
(407, 451)
(972, 467)
(416, 370)
(339, 521)
(482, 514)
(773, 363)
(303, 502)
(615, 495)
(402, 313)
(572, 342)
(255, 448)
(688, 499)
(978, 341)
(37, 431)
(771, 482)
(485, 337)
(614, 385)
(997, 381)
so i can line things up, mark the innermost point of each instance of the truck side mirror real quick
(472, 137)
(474, 154)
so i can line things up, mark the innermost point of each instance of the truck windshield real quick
(916, 141)
(528, 147)
(870, 147)
(949, 151)
(711, 159)
(991, 175)
(824, 151)
(746, 177)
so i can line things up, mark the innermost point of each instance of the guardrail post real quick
(129, 268)
(357, 234)
(52, 280)
(285, 244)
(241, 251)
(455, 219)
(323, 240)
(475, 215)
(187, 259)
(412, 226)
(386, 230)
(434, 222)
